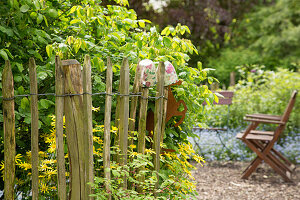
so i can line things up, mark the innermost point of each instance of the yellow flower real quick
(199, 159)
(180, 128)
(149, 151)
(133, 154)
(24, 165)
(41, 153)
(18, 158)
(96, 109)
(49, 173)
(52, 148)
(43, 187)
(97, 140)
(49, 161)
(1, 165)
(114, 129)
(44, 167)
(132, 146)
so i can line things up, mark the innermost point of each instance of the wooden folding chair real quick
(262, 142)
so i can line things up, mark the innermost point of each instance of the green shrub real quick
(261, 92)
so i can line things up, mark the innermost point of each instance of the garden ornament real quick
(173, 105)
(148, 73)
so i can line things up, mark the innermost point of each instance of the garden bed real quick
(222, 180)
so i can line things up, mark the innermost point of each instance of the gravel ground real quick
(222, 180)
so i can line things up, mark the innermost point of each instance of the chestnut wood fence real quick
(73, 98)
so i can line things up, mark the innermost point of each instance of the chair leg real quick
(250, 169)
(286, 175)
(274, 158)
(264, 156)
(291, 167)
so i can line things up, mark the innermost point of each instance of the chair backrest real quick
(289, 108)
(227, 100)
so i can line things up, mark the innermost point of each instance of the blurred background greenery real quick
(230, 33)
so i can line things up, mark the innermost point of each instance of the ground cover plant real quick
(71, 29)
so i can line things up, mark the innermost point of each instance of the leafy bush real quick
(71, 29)
(270, 36)
(266, 92)
(176, 180)
(260, 92)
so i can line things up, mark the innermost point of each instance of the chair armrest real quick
(265, 116)
(264, 121)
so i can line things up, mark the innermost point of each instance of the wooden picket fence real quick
(73, 98)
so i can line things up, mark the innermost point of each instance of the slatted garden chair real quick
(225, 100)
(262, 142)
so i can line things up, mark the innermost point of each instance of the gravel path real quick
(222, 180)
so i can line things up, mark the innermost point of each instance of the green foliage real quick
(268, 36)
(176, 180)
(71, 29)
(262, 92)
(43, 29)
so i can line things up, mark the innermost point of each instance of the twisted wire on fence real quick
(92, 94)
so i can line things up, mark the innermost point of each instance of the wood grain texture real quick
(9, 131)
(34, 129)
(59, 107)
(158, 113)
(107, 118)
(75, 130)
(124, 114)
(88, 125)
(117, 120)
(142, 128)
(134, 103)
(164, 113)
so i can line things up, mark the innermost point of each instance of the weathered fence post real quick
(59, 107)
(164, 115)
(75, 128)
(9, 131)
(88, 125)
(134, 102)
(142, 129)
(124, 114)
(158, 114)
(232, 78)
(106, 143)
(117, 120)
(214, 86)
(34, 129)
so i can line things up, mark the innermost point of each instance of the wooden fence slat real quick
(34, 129)
(232, 79)
(9, 131)
(158, 118)
(88, 125)
(124, 114)
(59, 107)
(75, 128)
(117, 120)
(142, 128)
(134, 102)
(106, 144)
(164, 115)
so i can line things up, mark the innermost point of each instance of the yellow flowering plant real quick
(176, 180)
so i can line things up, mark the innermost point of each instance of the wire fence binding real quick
(85, 93)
